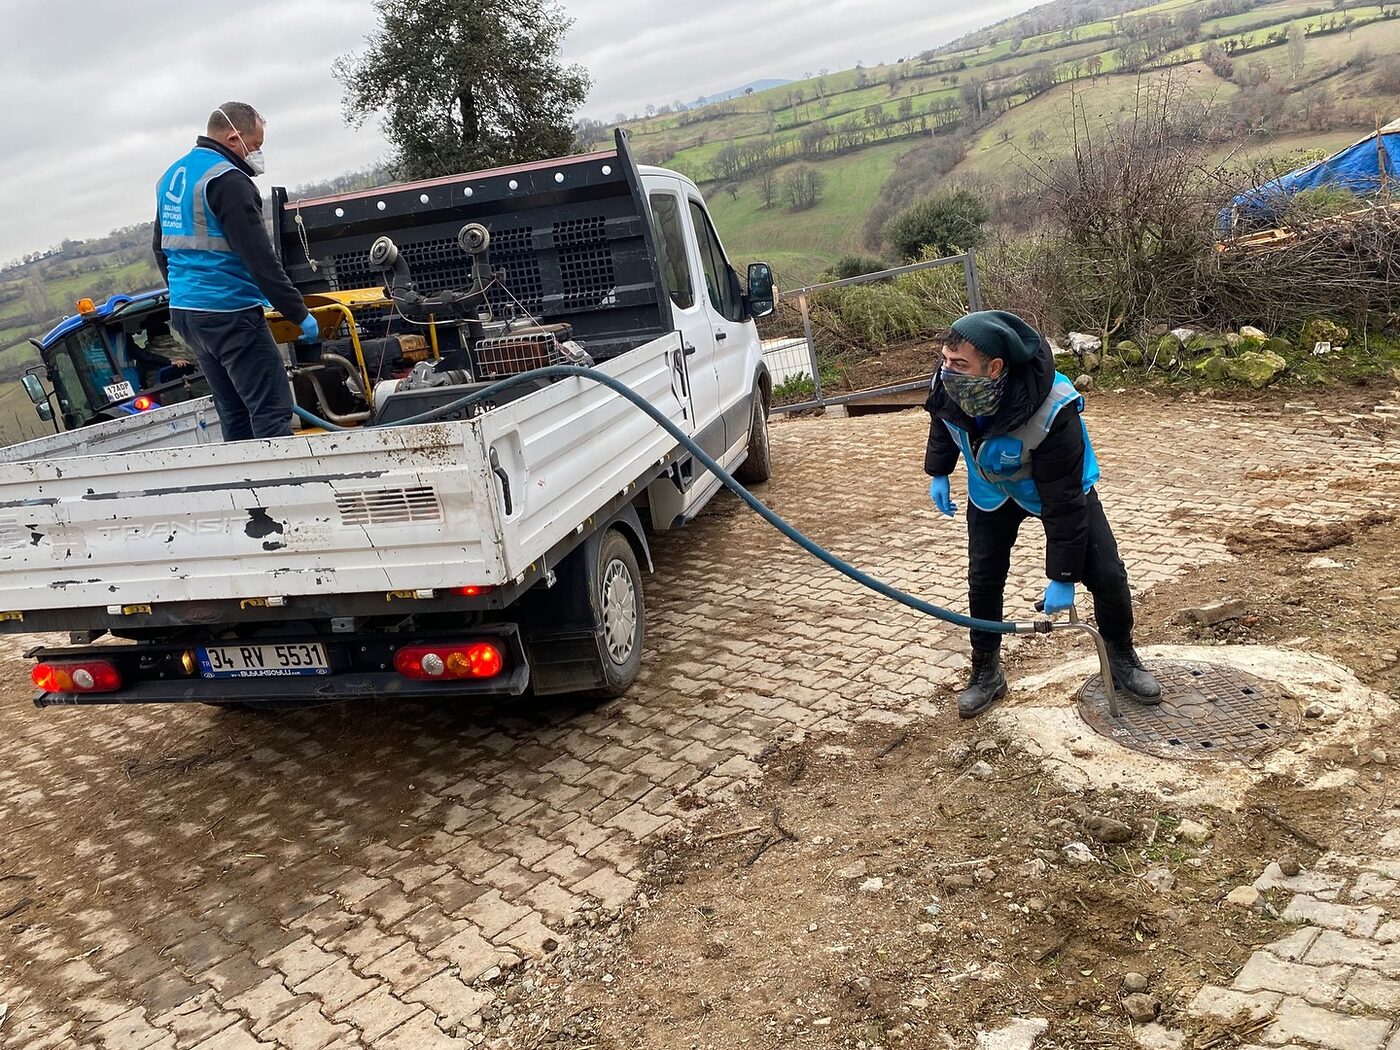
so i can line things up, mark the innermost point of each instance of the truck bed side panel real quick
(377, 510)
(569, 449)
(188, 423)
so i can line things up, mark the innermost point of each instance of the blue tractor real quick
(110, 360)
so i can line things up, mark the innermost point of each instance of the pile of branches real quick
(1128, 235)
(1345, 266)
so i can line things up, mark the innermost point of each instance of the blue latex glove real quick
(309, 330)
(1059, 597)
(1000, 455)
(943, 499)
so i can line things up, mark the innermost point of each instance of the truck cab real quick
(112, 360)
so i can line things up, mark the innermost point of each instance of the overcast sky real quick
(99, 96)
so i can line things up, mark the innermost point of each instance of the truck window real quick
(670, 242)
(718, 277)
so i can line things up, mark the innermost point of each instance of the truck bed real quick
(396, 509)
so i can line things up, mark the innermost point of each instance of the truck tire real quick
(622, 612)
(758, 465)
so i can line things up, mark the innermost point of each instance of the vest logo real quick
(175, 191)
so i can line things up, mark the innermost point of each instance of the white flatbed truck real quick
(490, 552)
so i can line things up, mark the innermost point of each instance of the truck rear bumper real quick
(360, 669)
(311, 690)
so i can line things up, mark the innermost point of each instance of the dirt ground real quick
(880, 889)
(772, 841)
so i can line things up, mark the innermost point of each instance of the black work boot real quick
(1129, 676)
(987, 684)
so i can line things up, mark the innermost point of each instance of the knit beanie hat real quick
(997, 333)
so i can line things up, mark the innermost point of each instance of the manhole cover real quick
(1207, 712)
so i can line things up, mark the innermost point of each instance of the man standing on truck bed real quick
(215, 254)
(999, 403)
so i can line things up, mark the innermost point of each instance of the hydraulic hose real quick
(685, 441)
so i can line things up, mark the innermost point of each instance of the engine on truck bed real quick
(498, 272)
(391, 378)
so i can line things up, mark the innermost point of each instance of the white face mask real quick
(254, 157)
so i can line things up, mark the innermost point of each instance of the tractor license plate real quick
(263, 661)
(118, 392)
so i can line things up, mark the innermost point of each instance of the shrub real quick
(944, 223)
(855, 266)
(873, 315)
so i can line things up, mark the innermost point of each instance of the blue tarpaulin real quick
(1363, 168)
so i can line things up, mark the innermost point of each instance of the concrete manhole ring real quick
(1207, 712)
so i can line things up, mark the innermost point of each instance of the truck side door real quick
(691, 316)
(734, 337)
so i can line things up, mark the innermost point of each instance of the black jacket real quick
(1057, 466)
(237, 205)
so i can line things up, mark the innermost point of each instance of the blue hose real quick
(684, 439)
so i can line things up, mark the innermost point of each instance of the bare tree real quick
(1297, 50)
(802, 186)
(768, 187)
(37, 299)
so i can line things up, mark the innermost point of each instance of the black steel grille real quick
(440, 263)
(585, 262)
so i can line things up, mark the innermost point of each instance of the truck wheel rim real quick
(619, 611)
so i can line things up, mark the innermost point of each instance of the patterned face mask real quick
(975, 395)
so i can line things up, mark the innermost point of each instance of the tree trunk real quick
(471, 122)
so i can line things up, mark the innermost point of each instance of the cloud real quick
(101, 96)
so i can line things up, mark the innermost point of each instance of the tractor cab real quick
(115, 359)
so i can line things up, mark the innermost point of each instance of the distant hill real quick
(1292, 78)
(739, 92)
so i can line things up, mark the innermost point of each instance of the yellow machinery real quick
(335, 314)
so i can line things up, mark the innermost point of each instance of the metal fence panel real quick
(808, 355)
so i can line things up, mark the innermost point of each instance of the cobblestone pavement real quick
(1333, 980)
(197, 878)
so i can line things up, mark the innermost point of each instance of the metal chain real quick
(305, 245)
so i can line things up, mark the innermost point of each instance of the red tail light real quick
(440, 663)
(144, 403)
(472, 590)
(87, 676)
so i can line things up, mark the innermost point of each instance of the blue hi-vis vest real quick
(1012, 479)
(205, 272)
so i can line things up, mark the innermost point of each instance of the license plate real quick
(263, 661)
(118, 391)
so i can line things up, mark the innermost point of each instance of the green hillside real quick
(1316, 93)
(1294, 74)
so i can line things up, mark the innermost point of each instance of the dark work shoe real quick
(986, 686)
(1129, 676)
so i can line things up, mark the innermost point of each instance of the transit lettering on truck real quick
(162, 529)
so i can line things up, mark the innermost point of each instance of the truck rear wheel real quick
(622, 612)
(758, 465)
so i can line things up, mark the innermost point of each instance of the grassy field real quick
(1006, 145)
(800, 245)
(17, 419)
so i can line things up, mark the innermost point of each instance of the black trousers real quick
(246, 374)
(990, 537)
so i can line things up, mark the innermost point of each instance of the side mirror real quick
(44, 411)
(34, 389)
(760, 289)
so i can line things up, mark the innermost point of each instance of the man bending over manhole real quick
(1017, 424)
